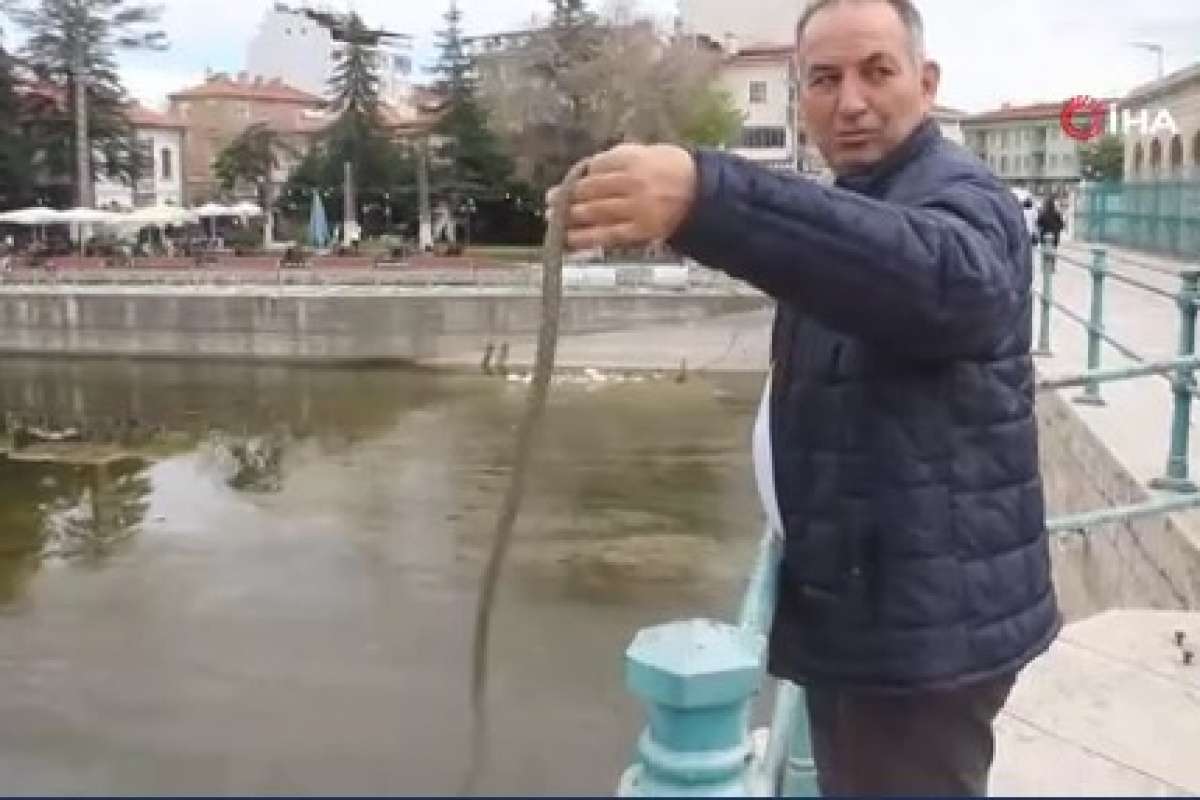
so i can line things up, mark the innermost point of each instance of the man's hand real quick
(632, 195)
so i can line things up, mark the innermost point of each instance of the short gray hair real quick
(907, 10)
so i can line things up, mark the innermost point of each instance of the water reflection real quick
(54, 510)
(277, 597)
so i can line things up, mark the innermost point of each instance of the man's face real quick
(861, 92)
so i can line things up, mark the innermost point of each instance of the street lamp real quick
(1157, 49)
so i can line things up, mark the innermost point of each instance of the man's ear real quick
(931, 79)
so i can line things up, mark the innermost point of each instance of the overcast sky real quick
(991, 50)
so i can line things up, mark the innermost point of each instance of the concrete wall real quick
(316, 325)
(1146, 564)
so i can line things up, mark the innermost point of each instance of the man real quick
(916, 577)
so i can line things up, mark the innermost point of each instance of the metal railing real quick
(1181, 373)
(699, 680)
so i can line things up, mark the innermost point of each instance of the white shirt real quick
(764, 463)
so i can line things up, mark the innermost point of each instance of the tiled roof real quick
(947, 111)
(143, 117)
(221, 86)
(1166, 84)
(763, 54)
(1036, 111)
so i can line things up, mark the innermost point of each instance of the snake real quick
(553, 252)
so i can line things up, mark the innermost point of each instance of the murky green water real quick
(280, 600)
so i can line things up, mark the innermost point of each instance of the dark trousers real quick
(927, 744)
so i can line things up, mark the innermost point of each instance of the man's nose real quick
(851, 99)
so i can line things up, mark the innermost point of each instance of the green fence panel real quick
(1156, 217)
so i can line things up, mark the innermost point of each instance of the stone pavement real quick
(1111, 710)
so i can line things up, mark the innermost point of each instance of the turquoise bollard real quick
(697, 680)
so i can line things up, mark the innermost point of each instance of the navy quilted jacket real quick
(905, 444)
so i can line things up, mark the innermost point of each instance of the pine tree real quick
(471, 161)
(14, 158)
(355, 80)
(64, 35)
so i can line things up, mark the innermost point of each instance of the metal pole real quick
(1177, 479)
(1091, 391)
(1048, 266)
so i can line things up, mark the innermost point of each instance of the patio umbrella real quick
(87, 217)
(36, 217)
(318, 223)
(247, 210)
(211, 211)
(159, 216)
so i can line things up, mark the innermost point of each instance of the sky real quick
(991, 51)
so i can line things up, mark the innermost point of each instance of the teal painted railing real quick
(1156, 217)
(699, 679)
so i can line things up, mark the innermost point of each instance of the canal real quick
(261, 579)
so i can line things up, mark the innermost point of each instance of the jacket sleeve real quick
(935, 280)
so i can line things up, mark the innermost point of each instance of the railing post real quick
(800, 774)
(697, 680)
(1099, 268)
(1048, 266)
(1177, 479)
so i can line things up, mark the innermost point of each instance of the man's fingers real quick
(603, 187)
(617, 159)
(595, 213)
(627, 233)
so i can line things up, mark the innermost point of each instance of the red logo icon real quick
(1083, 118)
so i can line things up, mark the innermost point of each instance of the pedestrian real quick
(1030, 212)
(902, 448)
(1050, 222)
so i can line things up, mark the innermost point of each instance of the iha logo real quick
(1083, 118)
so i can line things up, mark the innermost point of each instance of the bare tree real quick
(557, 94)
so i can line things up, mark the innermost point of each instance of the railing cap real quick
(696, 664)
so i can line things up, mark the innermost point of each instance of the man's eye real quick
(822, 81)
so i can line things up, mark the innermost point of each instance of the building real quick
(1025, 146)
(293, 48)
(222, 107)
(1160, 155)
(747, 23)
(761, 81)
(950, 120)
(161, 145)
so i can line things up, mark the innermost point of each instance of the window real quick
(1004, 163)
(758, 92)
(1054, 161)
(1139, 158)
(763, 137)
(167, 167)
(1004, 140)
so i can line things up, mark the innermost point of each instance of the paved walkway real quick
(1112, 710)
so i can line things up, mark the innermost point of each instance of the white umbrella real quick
(211, 211)
(91, 216)
(161, 215)
(245, 210)
(214, 210)
(37, 215)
